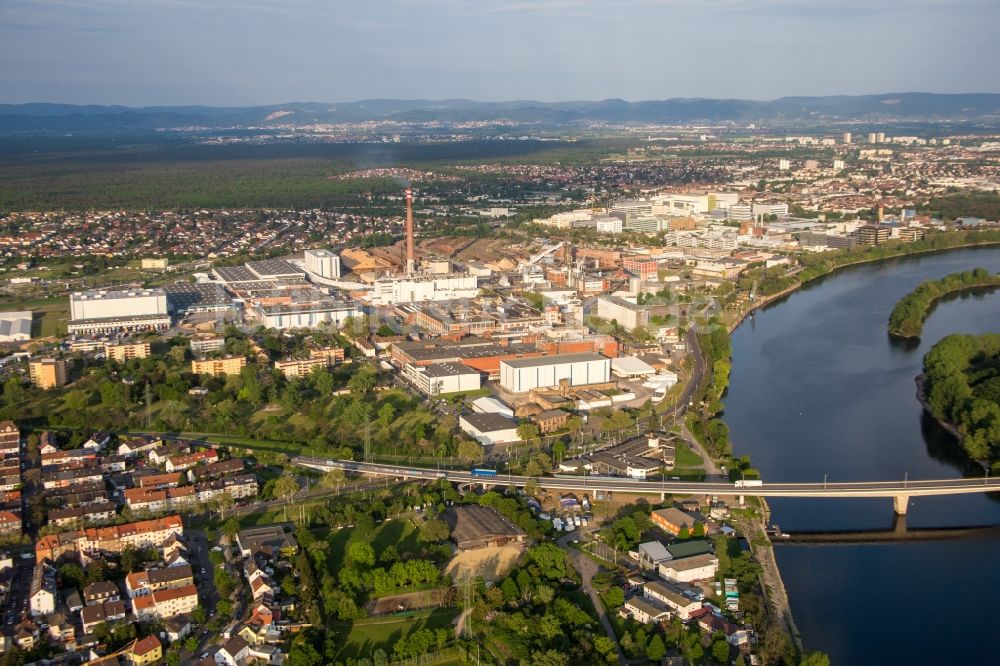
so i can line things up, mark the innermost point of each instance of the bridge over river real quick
(899, 491)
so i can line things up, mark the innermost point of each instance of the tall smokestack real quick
(410, 263)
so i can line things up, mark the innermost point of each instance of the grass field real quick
(399, 533)
(686, 458)
(50, 314)
(365, 636)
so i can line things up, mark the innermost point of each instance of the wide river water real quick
(818, 388)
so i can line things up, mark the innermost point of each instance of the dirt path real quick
(587, 568)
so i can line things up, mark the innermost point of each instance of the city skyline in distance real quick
(254, 53)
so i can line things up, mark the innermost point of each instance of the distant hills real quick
(889, 107)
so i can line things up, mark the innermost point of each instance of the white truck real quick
(748, 483)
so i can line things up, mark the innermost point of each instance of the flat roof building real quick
(47, 373)
(524, 374)
(322, 263)
(439, 378)
(489, 428)
(230, 365)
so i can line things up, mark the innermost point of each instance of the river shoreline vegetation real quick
(777, 279)
(907, 318)
(962, 388)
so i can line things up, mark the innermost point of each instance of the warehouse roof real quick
(555, 359)
(474, 525)
(488, 422)
(448, 370)
(273, 268)
(630, 365)
(15, 325)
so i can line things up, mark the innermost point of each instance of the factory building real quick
(307, 315)
(184, 298)
(629, 315)
(390, 291)
(441, 378)
(108, 311)
(322, 263)
(525, 374)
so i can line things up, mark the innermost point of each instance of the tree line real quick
(962, 387)
(907, 318)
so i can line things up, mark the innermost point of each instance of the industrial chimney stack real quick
(410, 263)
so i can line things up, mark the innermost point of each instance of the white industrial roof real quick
(630, 365)
(489, 405)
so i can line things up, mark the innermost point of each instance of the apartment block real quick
(230, 365)
(47, 373)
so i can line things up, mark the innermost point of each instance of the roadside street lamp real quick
(906, 479)
(824, 482)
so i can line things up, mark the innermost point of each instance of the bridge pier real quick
(900, 503)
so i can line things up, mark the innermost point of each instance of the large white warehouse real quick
(106, 311)
(389, 291)
(523, 374)
(105, 304)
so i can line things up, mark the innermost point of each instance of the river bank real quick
(772, 584)
(907, 318)
(817, 390)
(767, 300)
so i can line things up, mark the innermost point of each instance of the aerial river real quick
(818, 388)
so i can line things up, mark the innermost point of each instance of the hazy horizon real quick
(250, 53)
(487, 101)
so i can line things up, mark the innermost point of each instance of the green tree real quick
(469, 450)
(527, 431)
(434, 530)
(361, 553)
(286, 487)
(720, 651)
(362, 381)
(656, 650)
(815, 659)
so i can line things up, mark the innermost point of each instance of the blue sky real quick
(229, 52)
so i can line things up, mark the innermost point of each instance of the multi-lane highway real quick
(900, 490)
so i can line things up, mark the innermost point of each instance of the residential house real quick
(42, 594)
(689, 569)
(645, 611)
(672, 598)
(674, 521)
(233, 653)
(165, 603)
(108, 612)
(146, 651)
(98, 593)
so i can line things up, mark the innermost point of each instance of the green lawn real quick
(399, 533)
(50, 314)
(365, 636)
(685, 457)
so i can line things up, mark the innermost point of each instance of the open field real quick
(365, 636)
(399, 533)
